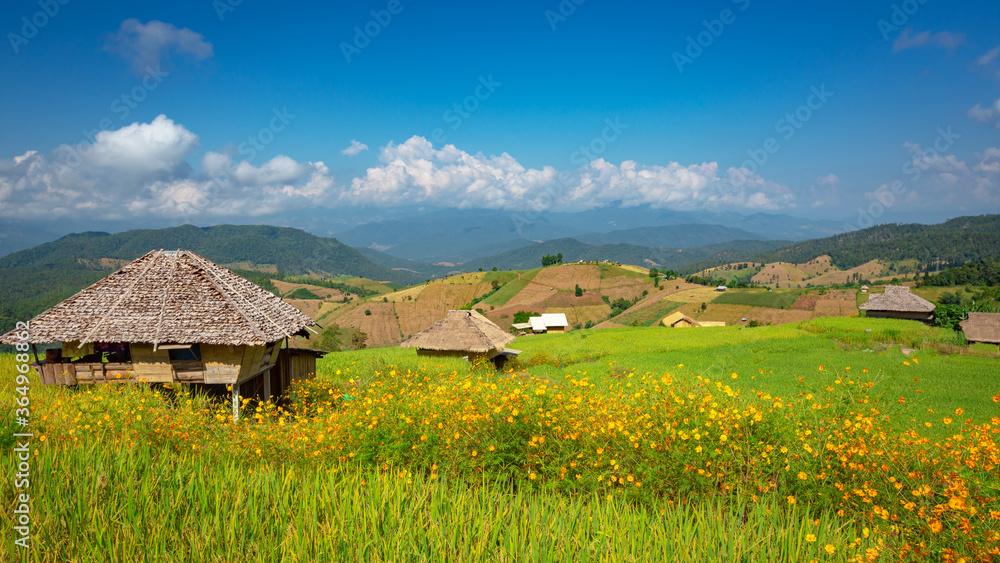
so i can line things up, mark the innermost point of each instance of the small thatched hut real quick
(678, 320)
(898, 303)
(465, 334)
(982, 327)
(171, 316)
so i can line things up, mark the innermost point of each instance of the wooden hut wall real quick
(149, 365)
(222, 363)
(254, 360)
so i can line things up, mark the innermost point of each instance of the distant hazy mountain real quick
(681, 259)
(456, 235)
(291, 251)
(958, 240)
(671, 236)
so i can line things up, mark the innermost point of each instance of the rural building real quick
(898, 303)
(521, 327)
(721, 288)
(711, 323)
(678, 320)
(864, 289)
(465, 334)
(982, 327)
(549, 322)
(173, 317)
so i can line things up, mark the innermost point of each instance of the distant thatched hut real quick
(864, 289)
(171, 316)
(898, 303)
(678, 320)
(982, 327)
(465, 334)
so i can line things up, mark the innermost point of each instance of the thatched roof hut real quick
(678, 319)
(898, 303)
(982, 327)
(167, 316)
(465, 333)
(169, 297)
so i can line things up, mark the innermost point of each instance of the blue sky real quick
(538, 80)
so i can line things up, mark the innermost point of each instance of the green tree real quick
(579, 291)
(358, 340)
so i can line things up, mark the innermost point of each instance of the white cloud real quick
(415, 173)
(828, 180)
(946, 182)
(987, 115)
(355, 149)
(988, 57)
(147, 45)
(909, 40)
(140, 170)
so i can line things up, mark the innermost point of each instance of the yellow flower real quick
(956, 503)
(803, 476)
(830, 549)
(791, 499)
(810, 538)
(532, 476)
(936, 526)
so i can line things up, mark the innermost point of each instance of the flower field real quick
(774, 443)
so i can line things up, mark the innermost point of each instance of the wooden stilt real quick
(34, 350)
(236, 402)
(267, 386)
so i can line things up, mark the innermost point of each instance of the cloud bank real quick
(145, 170)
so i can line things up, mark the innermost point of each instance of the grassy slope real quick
(773, 359)
(777, 299)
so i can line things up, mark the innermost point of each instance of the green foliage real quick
(579, 291)
(523, 316)
(552, 259)
(331, 338)
(983, 273)
(949, 316)
(302, 293)
(358, 340)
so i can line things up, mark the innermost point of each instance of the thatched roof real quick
(676, 317)
(899, 299)
(169, 297)
(461, 331)
(982, 327)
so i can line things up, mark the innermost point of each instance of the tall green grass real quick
(776, 299)
(95, 503)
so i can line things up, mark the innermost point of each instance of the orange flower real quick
(936, 526)
(956, 503)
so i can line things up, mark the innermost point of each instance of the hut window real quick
(192, 353)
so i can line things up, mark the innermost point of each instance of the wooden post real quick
(236, 402)
(267, 385)
(34, 351)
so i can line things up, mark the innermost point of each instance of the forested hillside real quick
(957, 241)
